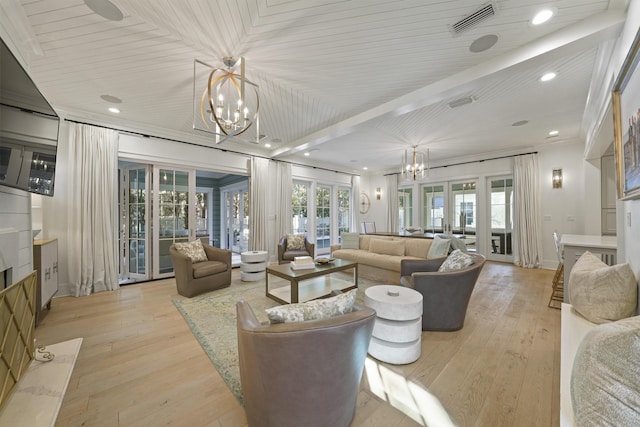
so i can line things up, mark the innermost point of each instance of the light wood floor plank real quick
(140, 364)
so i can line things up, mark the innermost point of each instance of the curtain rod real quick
(472, 161)
(224, 150)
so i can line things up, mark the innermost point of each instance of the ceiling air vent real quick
(470, 21)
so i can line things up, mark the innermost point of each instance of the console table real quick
(574, 245)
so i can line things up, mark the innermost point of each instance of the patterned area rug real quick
(212, 319)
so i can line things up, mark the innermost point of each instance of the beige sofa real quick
(379, 257)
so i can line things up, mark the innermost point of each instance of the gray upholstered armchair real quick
(445, 295)
(285, 255)
(193, 279)
(302, 374)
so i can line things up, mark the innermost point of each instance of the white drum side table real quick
(397, 331)
(253, 265)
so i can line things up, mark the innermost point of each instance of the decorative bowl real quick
(324, 260)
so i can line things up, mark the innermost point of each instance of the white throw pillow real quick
(602, 293)
(313, 310)
(439, 248)
(605, 390)
(457, 260)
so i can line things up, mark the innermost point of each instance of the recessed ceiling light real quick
(307, 154)
(267, 145)
(548, 76)
(365, 168)
(542, 16)
(114, 110)
(520, 123)
(554, 133)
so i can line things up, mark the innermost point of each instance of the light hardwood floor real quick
(140, 365)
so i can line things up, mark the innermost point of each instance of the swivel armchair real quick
(445, 295)
(285, 255)
(196, 278)
(302, 374)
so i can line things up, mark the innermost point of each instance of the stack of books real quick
(302, 262)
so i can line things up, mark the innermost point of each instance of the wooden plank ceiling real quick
(356, 81)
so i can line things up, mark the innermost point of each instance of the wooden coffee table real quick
(318, 282)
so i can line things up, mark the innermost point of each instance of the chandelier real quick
(415, 164)
(229, 103)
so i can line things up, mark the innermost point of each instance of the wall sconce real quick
(556, 178)
(378, 193)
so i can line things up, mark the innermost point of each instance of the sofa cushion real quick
(194, 250)
(418, 248)
(350, 240)
(457, 260)
(207, 268)
(295, 242)
(387, 247)
(602, 293)
(604, 379)
(439, 248)
(313, 310)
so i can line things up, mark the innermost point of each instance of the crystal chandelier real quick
(230, 102)
(415, 164)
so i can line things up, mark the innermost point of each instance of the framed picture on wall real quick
(626, 116)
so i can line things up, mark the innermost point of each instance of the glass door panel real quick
(237, 219)
(405, 206)
(323, 219)
(134, 224)
(175, 217)
(464, 212)
(433, 212)
(501, 217)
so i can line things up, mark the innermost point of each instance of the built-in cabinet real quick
(609, 195)
(45, 262)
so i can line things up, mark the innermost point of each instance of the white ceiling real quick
(356, 81)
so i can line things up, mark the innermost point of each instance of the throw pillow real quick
(295, 242)
(455, 243)
(350, 240)
(456, 261)
(193, 250)
(602, 293)
(604, 379)
(387, 247)
(439, 248)
(313, 310)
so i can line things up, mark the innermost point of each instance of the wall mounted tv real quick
(28, 130)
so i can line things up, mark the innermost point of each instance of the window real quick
(464, 204)
(299, 203)
(323, 217)
(344, 213)
(405, 207)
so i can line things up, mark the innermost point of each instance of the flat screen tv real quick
(28, 130)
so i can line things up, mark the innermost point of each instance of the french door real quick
(236, 218)
(134, 223)
(500, 202)
(451, 208)
(174, 214)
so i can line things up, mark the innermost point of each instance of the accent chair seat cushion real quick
(207, 268)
